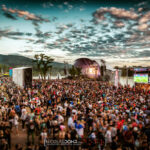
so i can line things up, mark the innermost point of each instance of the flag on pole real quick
(116, 78)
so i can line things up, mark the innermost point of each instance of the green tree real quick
(107, 77)
(130, 72)
(72, 71)
(43, 64)
(0, 68)
(116, 67)
(4, 68)
(103, 67)
(124, 71)
(78, 71)
(127, 71)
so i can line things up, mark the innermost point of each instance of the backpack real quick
(17, 108)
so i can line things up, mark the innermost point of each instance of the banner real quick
(10, 72)
(116, 78)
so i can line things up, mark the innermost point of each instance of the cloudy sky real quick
(117, 31)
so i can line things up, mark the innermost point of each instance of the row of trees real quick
(126, 71)
(4, 68)
(43, 65)
(75, 72)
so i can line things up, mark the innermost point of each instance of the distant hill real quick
(18, 60)
(15, 60)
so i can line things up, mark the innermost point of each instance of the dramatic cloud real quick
(113, 33)
(136, 19)
(8, 15)
(145, 18)
(119, 24)
(115, 12)
(7, 33)
(143, 27)
(23, 14)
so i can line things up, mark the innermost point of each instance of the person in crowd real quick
(16, 123)
(31, 131)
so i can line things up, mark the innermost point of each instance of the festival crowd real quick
(96, 114)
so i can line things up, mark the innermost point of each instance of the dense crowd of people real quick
(97, 114)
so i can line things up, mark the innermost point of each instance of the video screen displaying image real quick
(141, 78)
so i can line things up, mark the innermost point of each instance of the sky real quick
(117, 31)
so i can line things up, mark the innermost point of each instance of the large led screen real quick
(141, 78)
